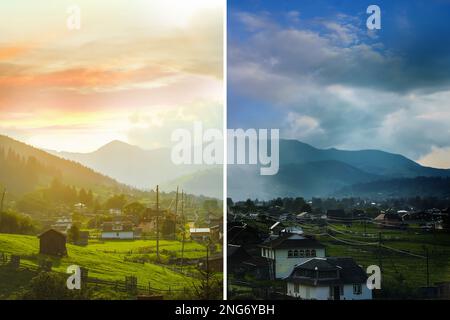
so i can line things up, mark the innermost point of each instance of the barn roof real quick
(292, 241)
(116, 227)
(349, 271)
(51, 231)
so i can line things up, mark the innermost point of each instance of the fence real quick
(129, 284)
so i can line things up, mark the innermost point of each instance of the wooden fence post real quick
(131, 284)
(15, 261)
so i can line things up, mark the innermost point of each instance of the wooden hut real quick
(52, 242)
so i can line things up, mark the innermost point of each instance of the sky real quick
(313, 69)
(134, 71)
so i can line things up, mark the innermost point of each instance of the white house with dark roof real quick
(117, 230)
(288, 250)
(331, 278)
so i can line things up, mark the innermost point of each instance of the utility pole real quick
(380, 262)
(207, 268)
(1, 208)
(183, 222)
(176, 202)
(176, 214)
(428, 266)
(157, 222)
(365, 226)
(3, 198)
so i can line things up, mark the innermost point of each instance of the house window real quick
(290, 254)
(296, 288)
(313, 253)
(307, 253)
(295, 253)
(302, 253)
(357, 289)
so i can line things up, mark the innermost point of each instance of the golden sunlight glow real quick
(76, 90)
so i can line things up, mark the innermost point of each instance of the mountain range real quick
(144, 169)
(23, 168)
(304, 171)
(311, 172)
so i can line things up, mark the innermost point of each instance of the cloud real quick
(154, 59)
(11, 51)
(334, 86)
(437, 158)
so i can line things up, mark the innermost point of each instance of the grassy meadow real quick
(108, 260)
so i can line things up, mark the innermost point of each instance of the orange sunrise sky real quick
(134, 71)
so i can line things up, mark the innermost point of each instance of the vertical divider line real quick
(224, 202)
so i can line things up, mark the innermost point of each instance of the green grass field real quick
(395, 265)
(103, 265)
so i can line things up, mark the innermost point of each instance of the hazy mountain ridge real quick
(41, 167)
(311, 172)
(144, 169)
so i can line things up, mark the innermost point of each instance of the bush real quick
(13, 222)
(51, 286)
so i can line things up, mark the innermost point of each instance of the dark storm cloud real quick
(340, 86)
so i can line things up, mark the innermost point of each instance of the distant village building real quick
(117, 230)
(216, 226)
(148, 226)
(83, 238)
(80, 206)
(216, 234)
(390, 220)
(288, 250)
(213, 264)
(52, 242)
(236, 255)
(240, 262)
(330, 278)
(276, 228)
(137, 233)
(336, 214)
(62, 224)
(304, 216)
(115, 212)
(200, 234)
(242, 234)
(293, 230)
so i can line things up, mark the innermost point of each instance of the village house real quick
(200, 234)
(213, 263)
(331, 278)
(304, 216)
(390, 220)
(236, 254)
(288, 250)
(336, 214)
(240, 262)
(242, 234)
(216, 234)
(62, 224)
(83, 238)
(276, 228)
(52, 242)
(115, 212)
(293, 230)
(117, 230)
(80, 206)
(147, 226)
